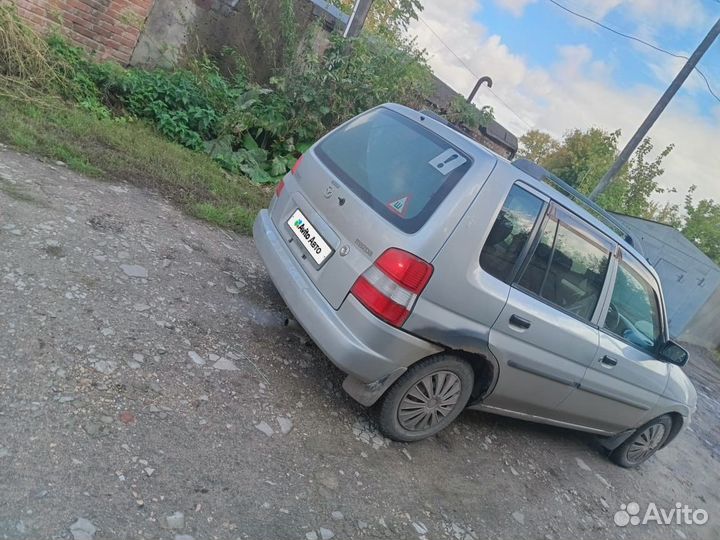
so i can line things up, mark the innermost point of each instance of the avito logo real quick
(305, 233)
(681, 514)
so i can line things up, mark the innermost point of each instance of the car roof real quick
(532, 174)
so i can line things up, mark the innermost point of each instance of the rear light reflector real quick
(279, 188)
(297, 164)
(389, 288)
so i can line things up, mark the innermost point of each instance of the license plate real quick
(311, 240)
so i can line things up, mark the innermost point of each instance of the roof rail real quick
(539, 173)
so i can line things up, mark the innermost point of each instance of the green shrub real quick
(247, 128)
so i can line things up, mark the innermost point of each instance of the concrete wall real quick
(178, 29)
(109, 28)
(689, 278)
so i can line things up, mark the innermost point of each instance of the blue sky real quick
(557, 72)
(543, 27)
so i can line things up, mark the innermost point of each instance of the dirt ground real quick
(149, 389)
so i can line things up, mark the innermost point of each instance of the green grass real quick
(131, 151)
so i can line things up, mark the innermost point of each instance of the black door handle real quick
(608, 361)
(519, 322)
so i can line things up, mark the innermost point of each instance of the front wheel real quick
(426, 399)
(643, 444)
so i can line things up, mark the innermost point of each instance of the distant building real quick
(494, 136)
(690, 280)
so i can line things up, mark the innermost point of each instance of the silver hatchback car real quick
(439, 276)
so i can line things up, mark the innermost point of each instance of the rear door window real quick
(568, 268)
(510, 233)
(399, 168)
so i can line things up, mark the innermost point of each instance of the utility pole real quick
(657, 111)
(357, 18)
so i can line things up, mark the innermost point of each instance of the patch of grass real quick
(133, 152)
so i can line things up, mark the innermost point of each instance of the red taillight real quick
(405, 268)
(297, 164)
(391, 286)
(279, 188)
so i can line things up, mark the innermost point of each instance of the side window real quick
(510, 232)
(633, 313)
(567, 268)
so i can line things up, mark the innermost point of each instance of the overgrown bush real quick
(27, 70)
(257, 130)
(466, 114)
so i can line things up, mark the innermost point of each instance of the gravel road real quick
(150, 389)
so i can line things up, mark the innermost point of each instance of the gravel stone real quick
(175, 520)
(580, 463)
(196, 358)
(265, 428)
(225, 365)
(105, 367)
(83, 529)
(134, 270)
(286, 425)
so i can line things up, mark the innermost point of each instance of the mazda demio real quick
(439, 276)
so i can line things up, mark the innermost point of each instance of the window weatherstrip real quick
(550, 259)
(527, 249)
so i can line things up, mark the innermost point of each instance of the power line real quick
(469, 69)
(501, 100)
(633, 38)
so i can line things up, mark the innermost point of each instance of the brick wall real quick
(110, 28)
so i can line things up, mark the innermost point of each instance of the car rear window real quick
(399, 168)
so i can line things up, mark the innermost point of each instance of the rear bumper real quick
(358, 343)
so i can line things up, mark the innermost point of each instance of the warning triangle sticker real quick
(400, 205)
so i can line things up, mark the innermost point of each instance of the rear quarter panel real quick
(461, 301)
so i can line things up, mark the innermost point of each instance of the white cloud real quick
(666, 68)
(646, 16)
(516, 7)
(672, 13)
(576, 92)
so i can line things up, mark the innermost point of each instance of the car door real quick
(626, 378)
(545, 337)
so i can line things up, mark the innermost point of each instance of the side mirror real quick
(673, 353)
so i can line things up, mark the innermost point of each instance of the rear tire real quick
(643, 444)
(426, 399)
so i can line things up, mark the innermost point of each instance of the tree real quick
(668, 213)
(537, 145)
(702, 225)
(582, 157)
(641, 179)
(389, 17)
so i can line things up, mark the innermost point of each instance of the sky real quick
(555, 72)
